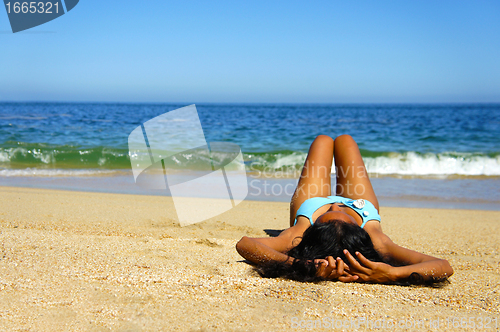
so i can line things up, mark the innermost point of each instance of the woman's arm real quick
(428, 267)
(263, 250)
(257, 252)
(429, 270)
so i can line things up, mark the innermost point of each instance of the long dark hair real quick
(320, 241)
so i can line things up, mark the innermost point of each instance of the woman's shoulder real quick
(300, 227)
(373, 226)
(379, 239)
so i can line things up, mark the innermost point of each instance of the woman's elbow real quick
(242, 245)
(445, 268)
(448, 270)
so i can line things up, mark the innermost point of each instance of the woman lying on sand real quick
(338, 237)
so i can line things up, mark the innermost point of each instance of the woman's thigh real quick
(352, 177)
(315, 177)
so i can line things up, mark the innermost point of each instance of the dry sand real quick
(91, 261)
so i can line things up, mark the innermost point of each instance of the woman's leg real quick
(352, 177)
(315, 178)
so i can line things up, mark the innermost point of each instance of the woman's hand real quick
(369, 271)
(331, 269)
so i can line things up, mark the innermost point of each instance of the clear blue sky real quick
(257, 51)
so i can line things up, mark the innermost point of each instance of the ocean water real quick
(64, 143)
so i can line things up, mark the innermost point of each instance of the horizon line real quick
(251, 103)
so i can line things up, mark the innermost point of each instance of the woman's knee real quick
(323, 140)
(345, 140)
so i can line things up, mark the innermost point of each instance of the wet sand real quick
(91, 261)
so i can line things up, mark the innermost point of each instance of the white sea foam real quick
(411, 163)
(4, 157)
(408, 164)
(46, 157)
(403, 164)
(56, 172)
(288, 160)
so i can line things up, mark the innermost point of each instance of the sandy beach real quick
(78, 261)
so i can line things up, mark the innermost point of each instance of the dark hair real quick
(322, 240)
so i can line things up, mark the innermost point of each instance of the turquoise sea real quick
(434, 155)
